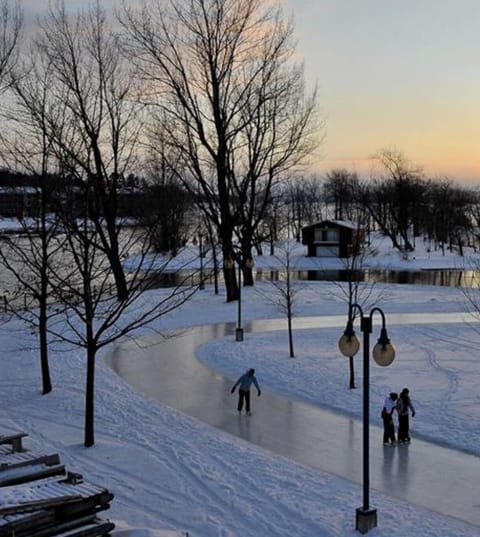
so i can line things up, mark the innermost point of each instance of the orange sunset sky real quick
(396, 74)
(403, 75)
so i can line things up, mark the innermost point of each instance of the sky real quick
(400, 75)
(173, 475)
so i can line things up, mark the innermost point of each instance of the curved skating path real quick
(440, 479)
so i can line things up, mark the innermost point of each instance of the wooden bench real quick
(43, 499)
(15, 440)
(32, 518)
(26, 524)
(14, 461)
(96, 528)
(44, 503)
(24, 473)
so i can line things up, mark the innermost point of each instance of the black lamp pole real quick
(239, 330)
(383, 353)
(200, 246)
(366, 328)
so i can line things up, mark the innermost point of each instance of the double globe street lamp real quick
(383, 354)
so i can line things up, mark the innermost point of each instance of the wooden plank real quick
(99, 528)
(24, 525)
(7, 456)
(91, 504)
(90, 496)
(4, 450)
(33, 505)
(71, 508)
(15, 440)
(47, 460)
(90, 526)
(7, 438)
(53, 527)
(24, 476)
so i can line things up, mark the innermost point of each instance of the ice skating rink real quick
(425, 474)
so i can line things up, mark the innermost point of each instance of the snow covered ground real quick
(173, 476)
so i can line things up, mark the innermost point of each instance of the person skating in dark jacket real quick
(244, 383)
(404, 407)
(387, 416)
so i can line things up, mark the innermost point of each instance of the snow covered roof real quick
(339, 223)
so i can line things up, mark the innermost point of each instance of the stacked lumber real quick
(40, 498)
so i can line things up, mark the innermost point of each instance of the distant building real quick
(18, 195)
(332, 238)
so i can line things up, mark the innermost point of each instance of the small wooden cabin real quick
(332, 238)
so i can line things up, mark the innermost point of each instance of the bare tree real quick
(25, 146)
(475, 217)
(25, 256)
(395, 200)
(11, 22)
(303, 203)
(233, 104)
(87, 313)
(96, 136)
(164, 210)
(353, 288)
(63, 101)
(87, 129)
(341, 190)
(461, 211)
(286, 290)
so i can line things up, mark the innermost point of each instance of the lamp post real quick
(249, 264)
(383, 354)
(229, 264)
(239, 329)
(201, 284)
(200, 247)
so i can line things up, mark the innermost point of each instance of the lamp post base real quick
(365, 520)
(238, 334)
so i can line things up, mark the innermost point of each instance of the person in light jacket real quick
(404, 407)
(387, 417)
(244, 383)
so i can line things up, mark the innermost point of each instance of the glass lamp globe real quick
(383, 353)
(349, 345)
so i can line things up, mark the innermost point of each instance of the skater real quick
(387, 417)
(404, 407)
(244, 383)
